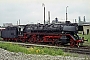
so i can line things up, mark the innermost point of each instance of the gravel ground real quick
(6, 55)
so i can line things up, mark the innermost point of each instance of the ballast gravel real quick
(6, 55)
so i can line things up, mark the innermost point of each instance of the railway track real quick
(81, 50)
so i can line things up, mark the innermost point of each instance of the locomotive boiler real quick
(55, 34)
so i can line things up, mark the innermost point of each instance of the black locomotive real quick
(62, 33)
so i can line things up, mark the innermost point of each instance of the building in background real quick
(86, 29)
(85, 25)
(83, 21)
(7, 24)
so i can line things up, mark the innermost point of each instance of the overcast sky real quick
(31, 11)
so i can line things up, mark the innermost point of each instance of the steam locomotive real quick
(56, 34)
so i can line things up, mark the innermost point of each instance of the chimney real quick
(75, 21)
(84, 19)
(19, 21)
(79, 19)
(56, 20)
(49, 16)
